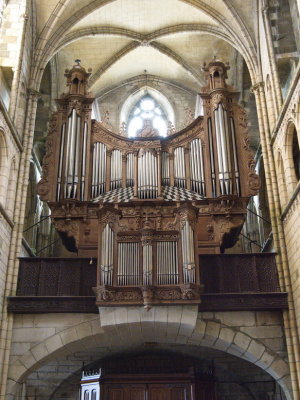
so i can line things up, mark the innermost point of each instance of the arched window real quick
(296, 154)
(292, 158)
(147, 112)
(281, 182)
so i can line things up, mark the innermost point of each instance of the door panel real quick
(179, 393)
(136, 393)
(159, 392)
(112, 393)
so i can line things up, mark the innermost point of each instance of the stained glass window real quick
(149, 109)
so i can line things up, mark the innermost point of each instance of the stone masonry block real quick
(263, 332)
(236, 318)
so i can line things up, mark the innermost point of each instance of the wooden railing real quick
(230, 282)
(239, 273)
(56, 277)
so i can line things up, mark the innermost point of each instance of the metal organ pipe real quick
(72, 143)
(128, 263)
(165, 170)
(188, 253)
(67, 155)
(212, 158)
(235, 158)
(107, 250)
(147, 264)
(167, 263)
(60, 164)
(197, 167)
(179, 167)
(147, 176)
(224, 150)
(99, 169)
(83, 165)
(129, 170)
(116, 169)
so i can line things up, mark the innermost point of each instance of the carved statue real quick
(147, 129)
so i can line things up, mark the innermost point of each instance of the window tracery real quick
(147, 115)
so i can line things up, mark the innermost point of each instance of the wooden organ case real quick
(146, 207)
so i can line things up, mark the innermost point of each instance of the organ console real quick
(146, 207)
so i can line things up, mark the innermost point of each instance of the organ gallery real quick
(147, 206)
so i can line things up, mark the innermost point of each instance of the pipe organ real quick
(146, 207)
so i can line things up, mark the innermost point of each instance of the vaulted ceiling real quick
(122, 39)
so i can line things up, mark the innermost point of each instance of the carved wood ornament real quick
(146, 207)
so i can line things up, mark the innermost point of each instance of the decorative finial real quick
(78, 61)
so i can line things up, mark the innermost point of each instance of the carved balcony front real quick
(229, 282)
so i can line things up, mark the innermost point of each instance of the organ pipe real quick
(235, 158)
(223, 150)
(99, 169)
(116, 169)
(197, 167)
(212, 158)
(165, 169)
(83, 165)
(72, 155)
(60, 164)
(188, 253)
(147, 176)
(147, 264)
(107, 250)
(179, 167)
(128, 264)
(130, 170)
(167, 263)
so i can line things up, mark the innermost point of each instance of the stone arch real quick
(133, 326)
(292, 144)
(107, 30)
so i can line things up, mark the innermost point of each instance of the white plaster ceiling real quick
(144, 15)
(199, 48)
(93, 51)
(141, 59)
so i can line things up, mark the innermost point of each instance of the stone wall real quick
(10, 148)
(289, 188)
(49, 349)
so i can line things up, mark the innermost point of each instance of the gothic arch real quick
(137, 95)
